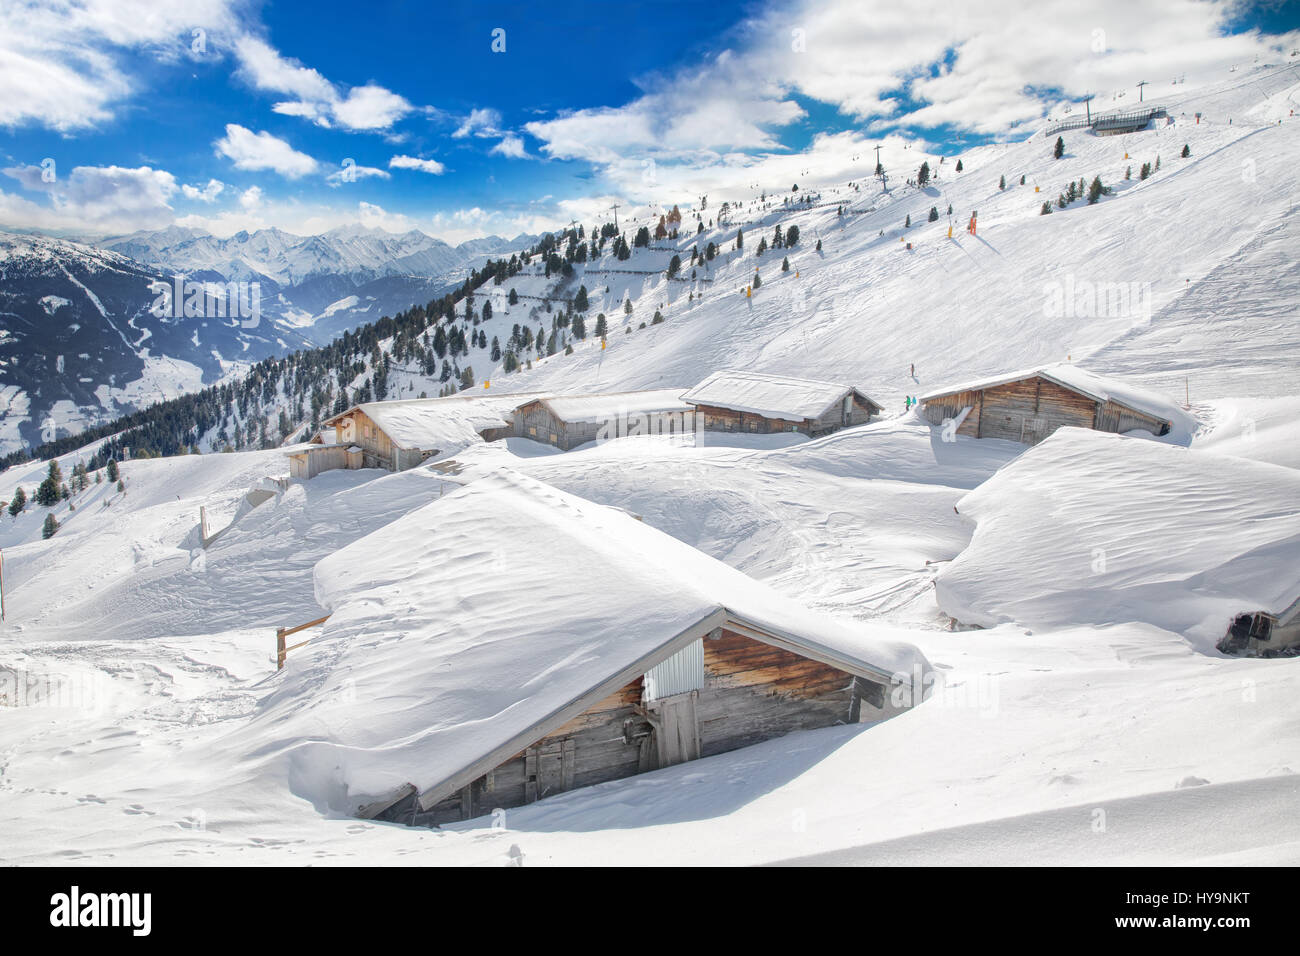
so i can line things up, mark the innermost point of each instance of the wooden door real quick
(677, 728)
(548, 768)
(1033, 430)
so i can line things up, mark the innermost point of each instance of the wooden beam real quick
(282, 632)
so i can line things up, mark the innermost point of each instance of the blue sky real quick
(118, 115)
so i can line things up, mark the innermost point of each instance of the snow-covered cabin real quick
(311, 459)
(741, 401)
(567, 421)
(401, 434)
(511, 641)
(1030, 404)
(1091, 528)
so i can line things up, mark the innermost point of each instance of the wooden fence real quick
(281, 652)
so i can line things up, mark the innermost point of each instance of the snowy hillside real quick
(1075, 713)
(80, 343)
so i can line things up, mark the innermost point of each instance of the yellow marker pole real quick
(486, 383)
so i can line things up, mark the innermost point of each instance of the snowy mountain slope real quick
(311, 277)
(79, 344)
(866, 308)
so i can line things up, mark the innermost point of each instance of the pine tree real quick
(121, 485)
(514, 297)
(1144, 172)
(959, 165)
(1002, 183)
(1187, 150)
(740, 240)
(907, 224)
(627, 306)
(674, 266)
(819, 245)
(1022, 180)
(923, 174)
(1059, 149)
(785, 264)
(1128, 173)
(580, 300)
(792, 235)
(20, 501)
(51, 526)
(757, 280)
(1047, 209)
(934, 214)
(602, 327)
(1095, 191)
(48, 492)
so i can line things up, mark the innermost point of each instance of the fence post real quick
(279, 648)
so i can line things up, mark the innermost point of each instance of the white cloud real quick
(512, 146)
(254, 151)
(64, 65)
(431, 166)
(353, 173)
(250, 198)
(207, 193)
(368, 107)
(979, 67)
(480, 122)
(110, 198)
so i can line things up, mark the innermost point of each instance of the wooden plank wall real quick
(535, 421)
(753, 692)
(728, 420)
(377, 448)
(1112, 417)
(1028, 410)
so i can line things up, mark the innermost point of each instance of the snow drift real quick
(1092, 528)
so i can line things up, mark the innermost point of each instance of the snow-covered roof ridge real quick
(601, 405)
(462, 647)
(448, 423)
(1099, 387)
(772, 396)
(1088, 527)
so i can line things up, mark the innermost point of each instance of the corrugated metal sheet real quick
(678, 674)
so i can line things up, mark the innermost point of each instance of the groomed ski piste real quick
(1079, 713)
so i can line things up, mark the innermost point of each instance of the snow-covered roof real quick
(446, 424)
(473, 625)
(602, 407)
(1097, 387)
(1088, 527)
(772, 396)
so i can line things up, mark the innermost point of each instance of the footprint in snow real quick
(91, 798)
(136, 809)
(1190, 782)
